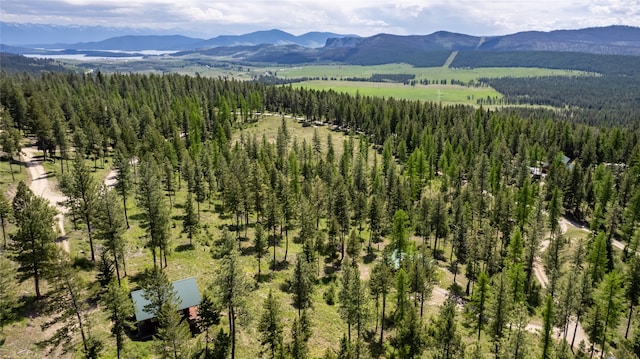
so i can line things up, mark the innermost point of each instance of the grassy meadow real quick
(431, 73)
(334, 77)
(447, 94)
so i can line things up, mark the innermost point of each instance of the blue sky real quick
(362, 17)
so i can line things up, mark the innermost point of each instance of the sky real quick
(209, 18)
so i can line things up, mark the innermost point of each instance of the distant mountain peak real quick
(380, 48)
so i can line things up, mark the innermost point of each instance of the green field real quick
(447, 94)
(333, 76)
(431, 73)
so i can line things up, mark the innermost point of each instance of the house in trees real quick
(188, 300)
(535, 172)
(568, 162)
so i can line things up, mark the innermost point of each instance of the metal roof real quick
(186, 291)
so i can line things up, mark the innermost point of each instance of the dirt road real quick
(541, 276)
(41, 186)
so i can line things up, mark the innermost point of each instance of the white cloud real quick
(364, 17)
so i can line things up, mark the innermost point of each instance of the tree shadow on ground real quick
(29, 307)
(369, 257)
(137, 217)
(185, 247)
(264, 277)
(247, 251)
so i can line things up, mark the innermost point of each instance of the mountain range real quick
(277, 46)
(28, 36)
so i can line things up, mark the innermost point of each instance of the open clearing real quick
(440, 89)
(430, 73)
(447, 94)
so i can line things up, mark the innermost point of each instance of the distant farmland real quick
(436, 93)
(436, 84)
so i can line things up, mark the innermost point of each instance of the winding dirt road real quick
(41, 187)
(541, 276)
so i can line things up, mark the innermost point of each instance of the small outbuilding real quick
(188, 296)
(568, 162)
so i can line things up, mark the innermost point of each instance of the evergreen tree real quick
(547, 328)
(411, 338)
(341, 211)
(439, 222)
(173, 334)
(158, 291)
(5, 213)
(516, 345)
(68, 308)
(574, 194)
(632, 288)
(225, 245)
(353, 246)
(208, 316)
(566, 301)
(553, 261)
(353, 300)
(10, 140)
(124, 180)
(200, 190)
(460, 223)
(400, 234)
(474, 352)
(120, 307)
(61, 139)
(402, 289)
(302, 283)
(106, 269)
(9, 299)
(479, 301)
(598, 258)
(607, 310)
(288, 208)
(300, 335)
(379, 285)
(584, 298)
(154, 210)
(33, 243)
(221, 345)
(270, 326)
(422, 277)
(555, 211)
(514, 267)
(232, 287)
(190, 220)
(273, 215)
(499, 305)
(258, 189)
(110, 228)
(534, 234)
(260, 246)
(447, 339)
(168, 179)
(375, 218)
(524, 200)
(424, 221)
(81, 189)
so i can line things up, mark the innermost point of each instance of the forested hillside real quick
(316, 224)
(605, 100)
(610, 98)
(14, 64)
